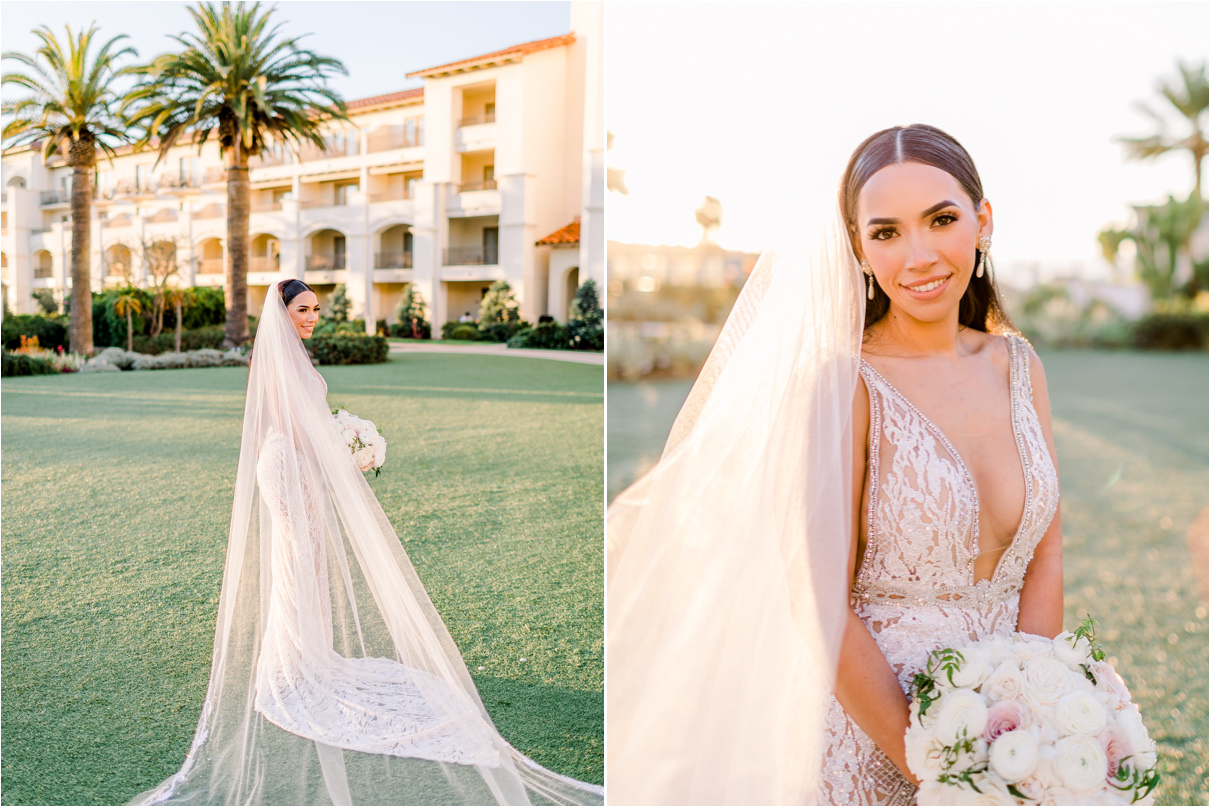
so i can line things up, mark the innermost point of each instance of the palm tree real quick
(177, 297)
(71, 109)
(1188, 95)
(235, 78)
(125, 305)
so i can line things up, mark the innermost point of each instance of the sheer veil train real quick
(727, 578)
(333, 679)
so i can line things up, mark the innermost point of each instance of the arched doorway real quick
(571, 284)
(326, 250)
(44, 264)
(209, 257)
(117, 263)
(394, 248)
(264, 253)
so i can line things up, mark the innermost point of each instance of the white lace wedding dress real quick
(915, 589)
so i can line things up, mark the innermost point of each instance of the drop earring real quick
(984, 244)
(870, 280)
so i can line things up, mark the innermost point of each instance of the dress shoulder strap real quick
(1019, 363)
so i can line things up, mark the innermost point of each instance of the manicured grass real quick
(1131, 435)
(117, 496)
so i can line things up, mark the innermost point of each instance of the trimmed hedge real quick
(22, 365)
(550, 335)
(500, 332)
(404, 330)
(192, 339)
(345, 349)
(448, 329)
(1171, 331)
(50, 331)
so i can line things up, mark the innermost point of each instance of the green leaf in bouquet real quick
(1141, 782)
(1088, 630)
(947, 660)
(925, 690)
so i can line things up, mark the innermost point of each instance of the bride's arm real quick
(866, 685)
(1042, 602)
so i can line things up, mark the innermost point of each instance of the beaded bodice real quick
(915, 589)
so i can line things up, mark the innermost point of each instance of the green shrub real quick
(50, 331)
(343, 349)
(328, 327)
(550, 335)
(586, 336)
(22, 365)
(450, 327)
(1171, 331)
(500, 331)
(192, 339)
(46, 301)
(461, 331)
(205, 305)
(404, 330)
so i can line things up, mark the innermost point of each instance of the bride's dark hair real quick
(292, 288)
(981, 308)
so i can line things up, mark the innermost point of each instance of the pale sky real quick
(380, 41)
(760, 104)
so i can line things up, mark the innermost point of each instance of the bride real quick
(333, 679)
(863, 473)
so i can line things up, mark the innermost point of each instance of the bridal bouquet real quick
(363, 438)
(1022, 720)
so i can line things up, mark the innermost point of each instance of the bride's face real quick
(305, 312)
(918, 231)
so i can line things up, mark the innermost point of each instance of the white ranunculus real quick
(923, 753)
(1079, 713)
(1014, 755)
(1132, 725)
(1005, 682)
(960, 710)
(974, 670)
(999, 649)
(1110, 683)
(380, 453)
(1073, 654)
(1047, 680)
(1080, 762)
(992, 790)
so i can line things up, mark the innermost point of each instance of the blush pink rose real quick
(1117, 746)
(1005, 716)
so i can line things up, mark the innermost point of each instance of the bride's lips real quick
(941, 281)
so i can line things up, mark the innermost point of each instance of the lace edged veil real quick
(333, 679)
(727, 564)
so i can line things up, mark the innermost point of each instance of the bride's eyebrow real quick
(945, 203)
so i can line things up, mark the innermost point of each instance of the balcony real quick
(393, 138)
(264, 263)
(486, 185)
(265, 207)
(55, 198)
(210, 212)
(390, 196)
(175, 182)
(325, 263)
(210, 266)
(393, 260)
(469, 256)
(268, 160)
(476, 120)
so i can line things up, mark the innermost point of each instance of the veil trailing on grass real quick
(728, 565)
(333, 679)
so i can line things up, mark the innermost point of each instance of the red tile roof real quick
(564, 235)
(496, 57)
(375, 100)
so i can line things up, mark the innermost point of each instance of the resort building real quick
(494, 169)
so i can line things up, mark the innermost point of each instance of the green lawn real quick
(1131, 435)
(117, 494)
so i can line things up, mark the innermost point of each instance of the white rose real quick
(1073, 654)
(923, 753)
(1110, 683)
(364, 458)
(974, 669)
(960, 711)
(1080, 762)
(1005, 682)
(1047, 680)
(348, 436)
(380, 453)
(991, 790)
(1079, 713)
(1014, 755)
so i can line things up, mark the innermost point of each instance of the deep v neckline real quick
(965, 470)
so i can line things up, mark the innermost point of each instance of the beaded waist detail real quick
(983, 593)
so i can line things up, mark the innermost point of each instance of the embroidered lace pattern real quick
(367, 704)
(916, 589)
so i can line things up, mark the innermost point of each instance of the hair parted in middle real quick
(981, 307)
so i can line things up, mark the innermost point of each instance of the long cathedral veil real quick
(727, 564)
(333, 679)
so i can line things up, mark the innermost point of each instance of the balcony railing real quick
(124, 220)
(210, 212)
(55, 197)
(265, 160)
(486, 185)
(44, 272)
(392, 139)
(210, 266)
(393, 260)
(166, 215)
(475, 120)
(176, 181)
(266, 207)
(264, 263)
(325, 262)
(389, 196)
(459, 256)
(117, 269)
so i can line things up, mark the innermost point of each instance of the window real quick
(489, 112)
(338, 251)
(410, 185)
(489, 174)
(279, 194)
(414, 131)
(491, 245)
(343, 189)
(190, 172)
(142, 178)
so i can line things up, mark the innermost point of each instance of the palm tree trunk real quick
(177, 344)
(82, 157)
(130, 333)
(237, 249)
